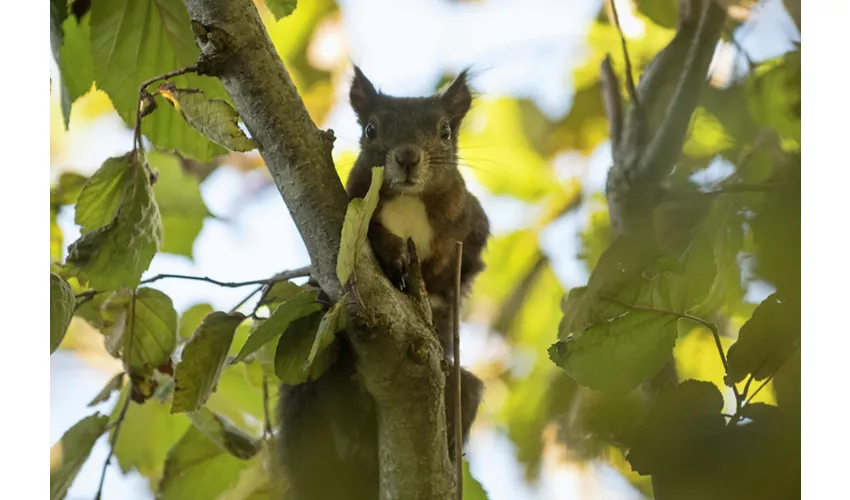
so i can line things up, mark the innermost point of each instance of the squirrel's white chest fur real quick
(406, 217)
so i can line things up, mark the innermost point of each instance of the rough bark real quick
(399, 358)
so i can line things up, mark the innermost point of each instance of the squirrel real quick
(328, 441)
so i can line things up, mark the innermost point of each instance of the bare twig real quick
(630, 81)
(760, 387)
(248, 297)
(456, 339)
(123, 413)
(282, 276)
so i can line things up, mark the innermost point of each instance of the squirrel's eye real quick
(371, 131)
(445, 131)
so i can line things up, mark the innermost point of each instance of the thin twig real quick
(267, 427)
(630, 81)
(123, 413)
(456, 339)
(248, 297)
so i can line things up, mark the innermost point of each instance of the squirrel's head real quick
(414, 138)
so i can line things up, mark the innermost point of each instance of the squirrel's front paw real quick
(397, 270)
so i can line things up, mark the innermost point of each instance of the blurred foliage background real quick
(534, 148)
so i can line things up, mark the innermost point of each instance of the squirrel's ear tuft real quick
(362, 94)
(456, 98)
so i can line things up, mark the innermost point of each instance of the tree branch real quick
(236, 48)
(399, 358)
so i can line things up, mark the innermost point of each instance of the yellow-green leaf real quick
(150, 338)
(224, 435)
(62, 304)
(281, 8)
(202, 361)
(216, 119)
(191, 319)
(299, 306)
(356, 225)
(115, 249)
(332, 322)
(70, 453)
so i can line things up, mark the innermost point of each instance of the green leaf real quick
(67, 189)
(191, 319)
(224, 435)
(281, 8)
(472, 489)
(358, 215)
(254, 482)
(135, 40)
(202, 361)
(75, 61)
(281, 292)
(62, 304)
(58, 14)
(148, 432)
(238, 398)
(101, 196)
(70, 453)
(332, 322)
(114, 384)
(151, 337)
(116, 254)
(196, 467)
(618, 355)
(216, 119)
(181, 207)
(299, 306)
(677, 421)
(626, 318)
(661, 12)
(774, 95)
(293, 348)
(766, 341)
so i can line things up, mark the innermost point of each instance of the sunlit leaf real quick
(332, 322)
(299, 306)
(216, 119)
(147, 434)
(150, 338)
(70, 453)
(180, 204)
(75, 61)
(202, 361)
(116, 248)
(62, 304)
(774, 95)
(191, 319)
(238, 399)
(134, 40)
(114, 384)
(281, 8)
(472, 489)
(196, 467)
(224, 435)
(356, 225)
(627, 316)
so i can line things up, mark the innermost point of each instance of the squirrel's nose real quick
(407, 157)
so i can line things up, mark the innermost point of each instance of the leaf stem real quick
(143, 110)
(123, 413)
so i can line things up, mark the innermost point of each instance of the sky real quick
(525, 48)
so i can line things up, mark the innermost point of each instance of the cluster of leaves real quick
(194, 387)
(654, 302)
